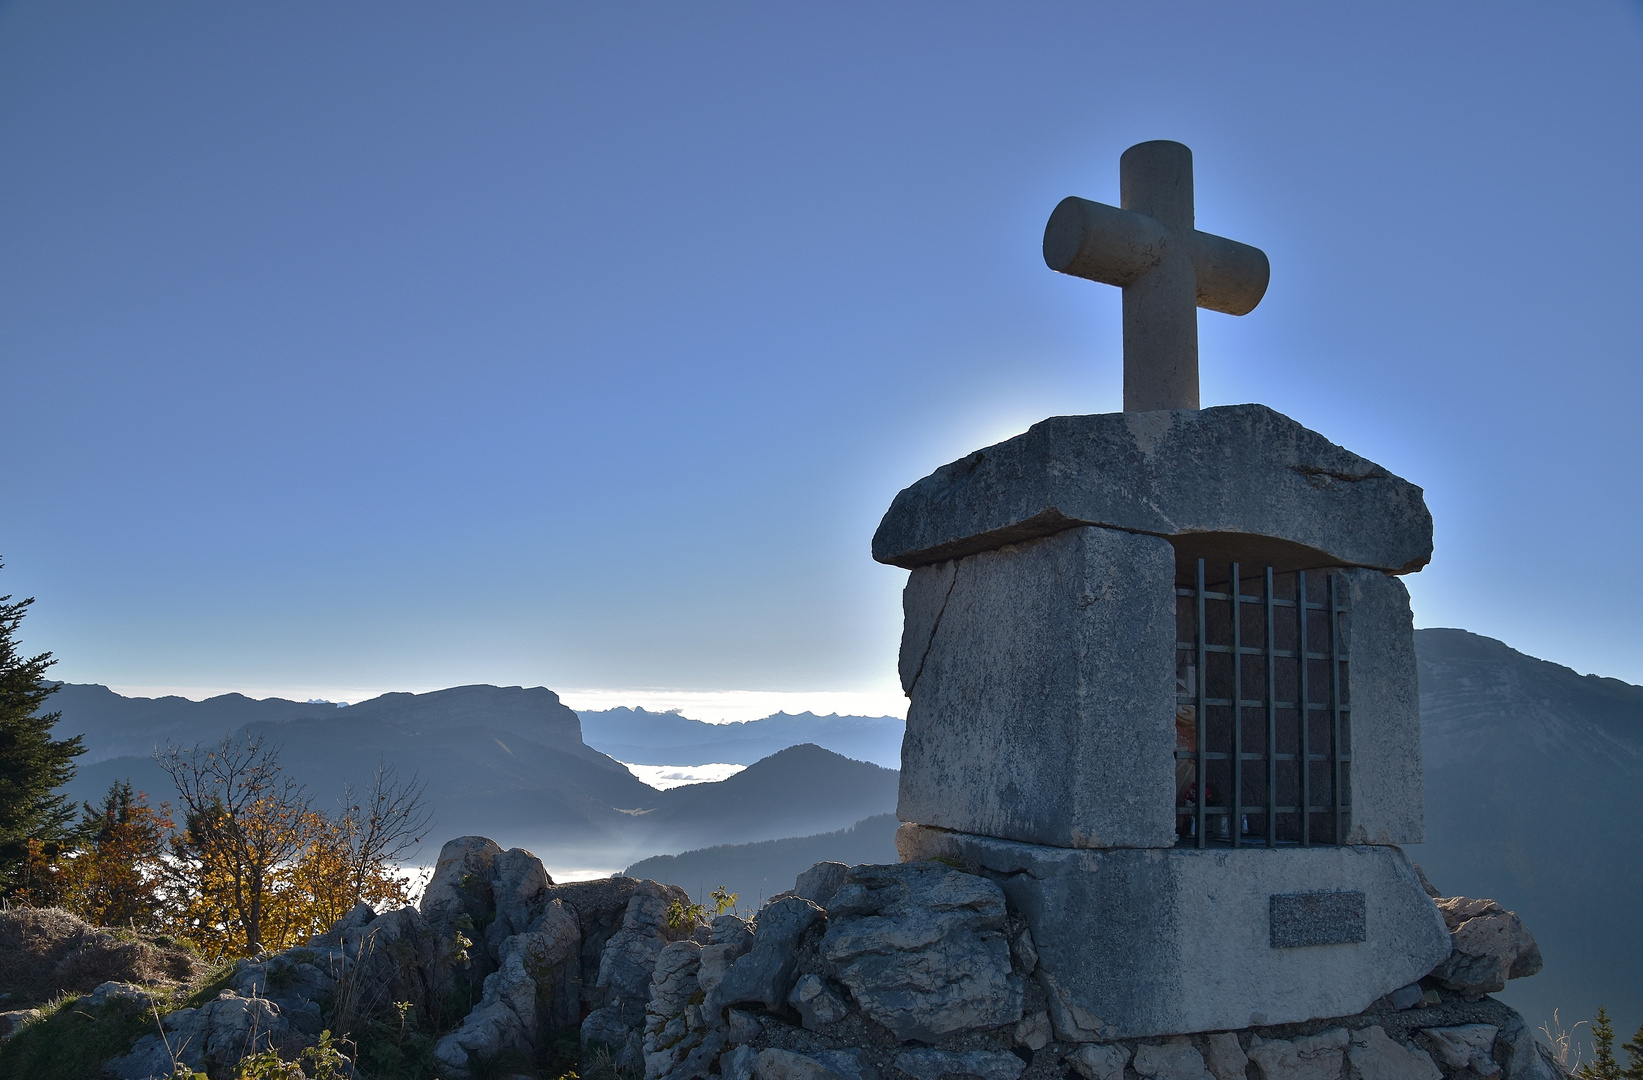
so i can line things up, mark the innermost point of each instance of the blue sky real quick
(372, 346)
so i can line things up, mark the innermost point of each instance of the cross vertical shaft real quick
(1160, 310)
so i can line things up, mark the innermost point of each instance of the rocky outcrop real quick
(922, 948)
(1490, 945)
(914, 971)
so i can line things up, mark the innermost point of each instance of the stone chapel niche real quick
(1263, 716)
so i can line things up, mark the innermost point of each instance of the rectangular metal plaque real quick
(1317, 918)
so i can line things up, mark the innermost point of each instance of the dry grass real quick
(1562, 1041)
(47, 952)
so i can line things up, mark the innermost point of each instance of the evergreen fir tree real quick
(32, 763)
(1634, 1051)
(1603, 1065)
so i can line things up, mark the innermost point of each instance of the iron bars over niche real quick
(1262, 726)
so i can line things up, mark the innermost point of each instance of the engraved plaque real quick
(1317, 918)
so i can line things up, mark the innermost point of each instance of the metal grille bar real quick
(1228, 740)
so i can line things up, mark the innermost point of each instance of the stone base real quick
(1142, 942)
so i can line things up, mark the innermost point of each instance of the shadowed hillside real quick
(1532, 781)
(768, 867)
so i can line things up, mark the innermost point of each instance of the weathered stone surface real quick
(600, 907)
(122, 994)
(775, 1064)
(533, 991)
(461, 882)
(213, 1037)
(852, 1064)
(1177, 1059)
(1406, 997)
(1100, 1061)
(519, 886)
(935, 1064)
(743, 1026)
(1374, 1055)
(1522, 1056)
(1491, 945)
(625, 968)
(1464, 1046)
(1034, 1031)
(698, 1063)
(717, 961)
(1236, 474)
(666, 1027)
(765, 975)
(1310, 1057)
(1226, 1060)
(739, 1063)
(820, 882)
(14, 1020)
(1042, 679)
(818, 1007)
(921, 947)
(1139, 943)
(1387, 782)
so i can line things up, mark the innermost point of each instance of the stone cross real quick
(1166, 267)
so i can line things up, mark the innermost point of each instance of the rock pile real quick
(919, 970)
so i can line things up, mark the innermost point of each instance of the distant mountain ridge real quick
(508, 762)
(650, 738)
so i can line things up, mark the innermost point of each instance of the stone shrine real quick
(1162, 671)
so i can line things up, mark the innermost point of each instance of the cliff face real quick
(1532, 774)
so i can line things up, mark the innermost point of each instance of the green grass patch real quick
(71, 1044)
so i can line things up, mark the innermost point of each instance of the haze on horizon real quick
(376, 347)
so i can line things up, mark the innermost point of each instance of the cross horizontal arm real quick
(1118, 247)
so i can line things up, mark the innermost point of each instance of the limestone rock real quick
(213, 1037)
(820, 882)
(1100, 1061)
(744, 1026)
(1490, 945)
(600, 907)
(850, 1064)
(1034, 1031)
(625, 968)
(666, 1027)
(1176, 1059)
(12, 1022)
(532, 991)
(934, 1064)
(1226, 1060)
(125, 995)
(1374, 1055)
(1310, 1057)
(461, 882)
(1464, 1046)
(765, 975)
(519, 886)
(1235, 469)
(731, 929)
(1524, 1057)
(922, 948)
(817, 1006)
(738, 1063)
(776, 1064)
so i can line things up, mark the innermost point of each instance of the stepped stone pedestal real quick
(1052, 734)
